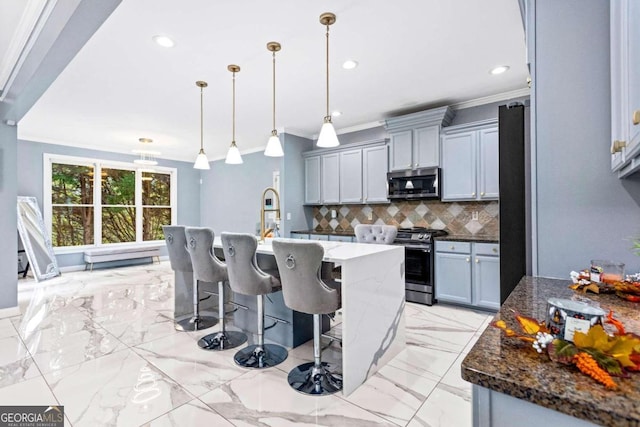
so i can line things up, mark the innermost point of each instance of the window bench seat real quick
(92, 256)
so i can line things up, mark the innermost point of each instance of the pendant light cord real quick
(201, 121)
(233, 131)
(328, 71)
(274, 91)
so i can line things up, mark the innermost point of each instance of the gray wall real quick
(584, 210)
(30, 181)
(8, 217)
(230, 194)
(292, 183)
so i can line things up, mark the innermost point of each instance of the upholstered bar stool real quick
(181, 262)
(373, 233)
(299, 265)
(208, 268)
(246, 277)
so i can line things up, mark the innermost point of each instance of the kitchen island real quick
(514, 385)
(373, 326)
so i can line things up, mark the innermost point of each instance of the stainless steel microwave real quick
(414, 184)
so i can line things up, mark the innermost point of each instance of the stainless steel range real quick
(418, 263)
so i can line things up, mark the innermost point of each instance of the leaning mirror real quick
(35, 239)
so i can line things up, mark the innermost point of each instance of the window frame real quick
(98, 165)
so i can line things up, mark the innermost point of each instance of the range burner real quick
(417, 235)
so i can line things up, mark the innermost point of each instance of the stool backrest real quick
(206, 266)
(380, 234)
(245, 277)
(177, 248)
(299, 264)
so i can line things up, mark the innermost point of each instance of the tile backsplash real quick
(455, 217)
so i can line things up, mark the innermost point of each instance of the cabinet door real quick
(401, 150)
(619, 116)
(351, 176)
(459, 166)
(375, 161)
(426, 147)
(335, 238)
(633, 76)
(318, 237)
(312, 180)
(300, 236)
(330, 178)
(486, 281)
(453, 277)
(488, 164)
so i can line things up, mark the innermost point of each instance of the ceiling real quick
(122, 86)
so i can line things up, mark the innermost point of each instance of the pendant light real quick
(233, 155)
(201, 161)
(327, 137)
(274, 148)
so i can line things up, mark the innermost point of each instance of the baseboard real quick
(9, 312)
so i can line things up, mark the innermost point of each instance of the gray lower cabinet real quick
(300, 236)
(468, 273)
(318, 237)
(336, 238)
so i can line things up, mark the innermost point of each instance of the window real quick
(124, 204)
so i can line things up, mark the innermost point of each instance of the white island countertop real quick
(373, 299)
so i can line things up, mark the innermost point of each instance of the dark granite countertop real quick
(326, 233)
(463, 238)
(510, 366)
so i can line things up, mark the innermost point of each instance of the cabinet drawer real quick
(318, 237)
(299, 236)
(334, 238)
(454, 247)
(488, 249)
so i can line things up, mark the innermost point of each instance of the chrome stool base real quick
(196, 323)
(219, 341)
(309, 378)
(252, 357)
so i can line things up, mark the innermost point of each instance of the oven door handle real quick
(420, 248)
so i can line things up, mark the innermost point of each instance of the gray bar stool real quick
(181, 261)
(208, 268)
(373, 233)
(245, 277)
(299, 265)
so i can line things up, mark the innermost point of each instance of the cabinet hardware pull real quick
(495, 250)
(417, 164)
(617, 146)
(453, 247)
(467, 259)
(473, 194)
(477, 261)
(636, 117)
(409, 165)
(482, 193)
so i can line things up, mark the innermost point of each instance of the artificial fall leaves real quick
(594, 353)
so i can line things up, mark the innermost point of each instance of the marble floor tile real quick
(453, 383)
(53, 350)
(16, 364)
(194, 413)
(426, 362)
(330, 354)
(7, 329)
(34, 391)
(119, 389)
(393, 394)
(264, 398)
(197, 370)
(105, 304)
(137, 326)
(443, 409)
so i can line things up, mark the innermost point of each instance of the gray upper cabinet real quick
(401, 150)
(330, 178)
(625, 86)
(312, 180)
(374, 167)
(470, 162)
(415, 138)
(355, 173)
(351, 176)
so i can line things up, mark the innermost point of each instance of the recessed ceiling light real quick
(336, 114)
(164, 41)
(499, 70)
(349, 64)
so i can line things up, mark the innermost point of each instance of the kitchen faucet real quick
(264, 210)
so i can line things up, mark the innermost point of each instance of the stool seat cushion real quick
(372, 233)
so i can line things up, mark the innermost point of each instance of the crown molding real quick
(518, 93)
